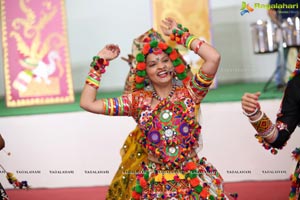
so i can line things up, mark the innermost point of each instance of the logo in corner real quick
(246, 8)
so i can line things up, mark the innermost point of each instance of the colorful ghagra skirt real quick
(197, 179)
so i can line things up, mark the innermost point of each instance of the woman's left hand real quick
(250, 102)
(109, 52)
(167, 26)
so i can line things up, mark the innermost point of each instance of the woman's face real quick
(159, 68)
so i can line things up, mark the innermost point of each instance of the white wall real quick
(94, 23)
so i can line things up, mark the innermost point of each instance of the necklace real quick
(156, 96)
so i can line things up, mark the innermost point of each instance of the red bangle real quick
(199, 45)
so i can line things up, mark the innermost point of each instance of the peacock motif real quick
(38, 54)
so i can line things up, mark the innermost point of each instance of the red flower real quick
(186, 80)
(180, 68)
(204, 194)
(172, 36)
(162, 46)
(143, 182)
(176, 178)
(135, 195)
(190, 166)
(139, 79)
(147, 39)
(141, 66)
(146, 48)
(217, 181)
(173, 55)
(194, 182)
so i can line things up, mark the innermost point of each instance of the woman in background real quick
(274, 136)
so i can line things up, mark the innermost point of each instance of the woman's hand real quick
(2, 142)
(129, 60)
(250, 102)
(109, 52)
(167, 26)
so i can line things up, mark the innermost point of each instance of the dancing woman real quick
(165, 113)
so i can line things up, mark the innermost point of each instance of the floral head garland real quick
(158, 47)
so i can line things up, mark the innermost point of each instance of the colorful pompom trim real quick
(266, 145)
(296, 154)
(99, 64)
(295, 177)
(14, 181)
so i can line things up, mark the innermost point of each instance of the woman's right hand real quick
(250, 102)
(109, 52)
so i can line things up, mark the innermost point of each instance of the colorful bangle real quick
(262, 124)
(196, 85)
(190, 42)
(106, 105)
(204, 76)
(203, 80)
(185, 37)
(199, 45)
(116, 106)
(272, 136)
(265, 129)
(92, 82)
(97, 69)
(268, 132)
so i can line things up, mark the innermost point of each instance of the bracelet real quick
(190, 41)
(99, 64)
(176, 35)
(268, 132)
(258, 119)
(251, 114)
(263, 125)
(199, 45)
(97, 69)
(180, 35)
(184, 37)
(92, 82)
(272, 135)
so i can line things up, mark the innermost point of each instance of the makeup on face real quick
(162, 60)
(159, 67)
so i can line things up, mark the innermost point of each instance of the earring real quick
(174, 74)
(148, 85)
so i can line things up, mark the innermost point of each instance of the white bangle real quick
(251, 114)
(259, 118)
